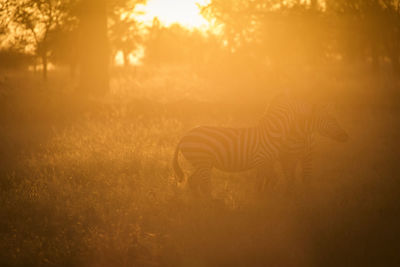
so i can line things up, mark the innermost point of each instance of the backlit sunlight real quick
(183, 12)
(199, 133)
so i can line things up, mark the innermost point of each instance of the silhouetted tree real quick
(370, 29)
(304, 32)
(390, 21)
(63, 44)
(94, 44)
(125, 32)
(289, 33)
(33, 22)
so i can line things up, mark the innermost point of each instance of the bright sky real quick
(184, 12)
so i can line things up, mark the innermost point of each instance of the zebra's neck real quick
(312, 125)
(269, 140)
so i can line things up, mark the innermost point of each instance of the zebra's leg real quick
(289, 170)
(193, 182)
(306, 167)
(200, 181)
(263, 176)
(306, 160)
(205, 182)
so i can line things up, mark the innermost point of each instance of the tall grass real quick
(88, 182)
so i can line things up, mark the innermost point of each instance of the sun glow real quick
(183, 12)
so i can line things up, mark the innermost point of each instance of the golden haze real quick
(86, 176)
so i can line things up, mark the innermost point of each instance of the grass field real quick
(88, 182)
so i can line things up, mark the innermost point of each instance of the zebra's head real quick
(327, 125)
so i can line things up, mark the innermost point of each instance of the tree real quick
(124, 31)
(285, 33)
(294, 33)
(64, 52)
(94, 45)
(34, 20)
(371, 29)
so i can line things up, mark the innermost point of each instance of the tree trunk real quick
(35, 65)
(394, 56)
(94, 49)
(44, 66)
(374, 56)
(314, 4)
(126, 58)
(396, 65)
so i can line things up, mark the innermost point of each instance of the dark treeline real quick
(71, 33)
(86, 35)
(308, 33)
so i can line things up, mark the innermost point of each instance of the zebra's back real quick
(228, 149)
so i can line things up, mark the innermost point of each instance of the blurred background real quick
(96, 94)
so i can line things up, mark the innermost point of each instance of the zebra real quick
(241, 149)
(297, 149)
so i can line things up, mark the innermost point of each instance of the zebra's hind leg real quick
(264, 174)
(200, 181)
(289, 170)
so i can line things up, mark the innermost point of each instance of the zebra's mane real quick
(297, 113)
(293, 105)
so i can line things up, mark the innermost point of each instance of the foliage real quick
(176, 45)
(283, 34)
(297, 33)
(125, 33)
(34, 21)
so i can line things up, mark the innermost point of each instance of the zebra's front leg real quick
(306, 167)
(306, 160)
(289, 170)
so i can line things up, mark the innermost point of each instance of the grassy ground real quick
(88, 182)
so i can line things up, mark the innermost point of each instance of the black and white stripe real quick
(235, 149)
(284, 133)
(298, 148)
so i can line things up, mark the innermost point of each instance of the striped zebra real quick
(299, 145)
(240, 149)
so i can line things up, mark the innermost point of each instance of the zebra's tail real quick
(178, 171)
